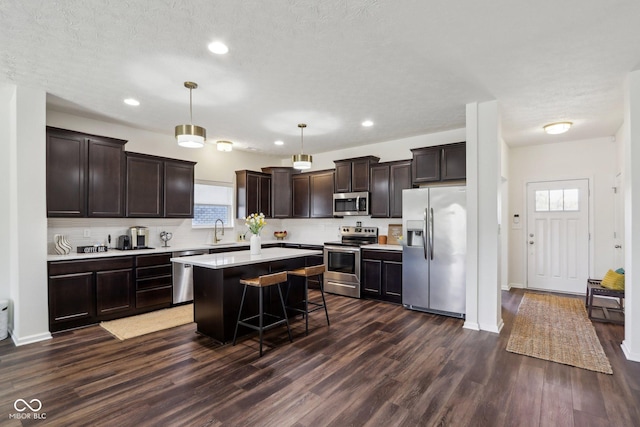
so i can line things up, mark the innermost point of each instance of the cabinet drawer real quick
(153, 282)
(148, 260)
(151, 297)
(382, 255)
(158, 270)
(69, 267)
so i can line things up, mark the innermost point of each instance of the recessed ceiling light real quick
(218, 48)
(279, 142)
(131, 101)
(367, 123)
(556, 128)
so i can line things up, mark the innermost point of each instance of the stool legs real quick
(284, 311)
(305, 311)
(235, 333)
(324, 302)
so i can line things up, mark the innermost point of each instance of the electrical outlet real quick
(87, 232)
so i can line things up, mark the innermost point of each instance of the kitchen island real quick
(217, 291)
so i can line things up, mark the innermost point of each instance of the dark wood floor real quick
(377, 365)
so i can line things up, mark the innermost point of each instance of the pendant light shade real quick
(301, 161)
(191, 136)
(224, 145)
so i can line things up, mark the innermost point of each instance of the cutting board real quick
(394, 234)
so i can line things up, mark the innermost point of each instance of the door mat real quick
(557, 329)
(142, 324)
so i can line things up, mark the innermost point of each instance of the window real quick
(557, 200)
(212, 201)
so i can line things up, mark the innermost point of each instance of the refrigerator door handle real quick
(431, 233)
(424, 235)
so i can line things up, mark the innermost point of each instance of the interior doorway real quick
(558, 235)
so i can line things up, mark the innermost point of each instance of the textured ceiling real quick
(408, 65)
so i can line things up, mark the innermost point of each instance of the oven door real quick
(342, 274)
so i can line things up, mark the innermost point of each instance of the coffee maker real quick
(139, 237)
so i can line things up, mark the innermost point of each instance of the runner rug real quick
(142, 324)
(557, 328)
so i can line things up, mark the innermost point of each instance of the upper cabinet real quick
(253, 193)
(85, 175)
(312, 194)
(352, 175)
(387, 182)
(440, 163)
(281, 193)
(159, 187)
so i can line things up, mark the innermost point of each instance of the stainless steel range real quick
(342, 260)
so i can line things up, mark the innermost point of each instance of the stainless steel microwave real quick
(351, 203)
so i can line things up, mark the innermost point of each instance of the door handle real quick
(531, 242)
(618, 246)
(424, 235)
(431, 221)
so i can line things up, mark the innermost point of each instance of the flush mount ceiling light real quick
(191, 136)
(218, 48)
(224, 145)
(556, 128)
(301, 161)
(132, 102)
(367, 123)
(278, 142)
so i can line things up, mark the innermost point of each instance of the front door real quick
(558, 235)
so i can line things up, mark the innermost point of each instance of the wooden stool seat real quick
(262, 282)
(307, 272)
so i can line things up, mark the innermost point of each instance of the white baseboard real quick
(516, 285)
(506, 287)
(471, 325)
(18, 341)
(634, 357)
(493, 328)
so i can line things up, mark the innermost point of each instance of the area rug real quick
(557, 328)
(142, 324)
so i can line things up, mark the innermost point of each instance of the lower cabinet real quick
(382, 275)
(85, 292)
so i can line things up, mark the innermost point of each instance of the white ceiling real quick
(408, 65)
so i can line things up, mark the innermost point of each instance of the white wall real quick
(594, 159)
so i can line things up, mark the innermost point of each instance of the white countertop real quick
(384, 247)
(161, 250)
(240, 258)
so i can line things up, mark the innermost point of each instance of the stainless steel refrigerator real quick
(434, 227)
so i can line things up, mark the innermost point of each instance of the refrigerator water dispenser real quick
(415, 229)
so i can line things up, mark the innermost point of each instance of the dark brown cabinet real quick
(253, 193)
(84, 175)
(439, 163)
(352, 175)
(281, 191)
(387, 182)
(300, 196)
(154, 281)
(158, 187)
(85, 292)
(312, 194)
(382, 275)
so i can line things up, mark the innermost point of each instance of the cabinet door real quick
(144, 187)
(360, 175)
(114, 291)
(392, 281)
(106, 179)
(281, 193)
(178, 189)
(71, 300)
(66, 179)
(426, 165)
(372, 277)
(380, 191)
(399, 179)
(264, 194)
(454, 162)
(300, 196)
(321, 189)
(343, 177)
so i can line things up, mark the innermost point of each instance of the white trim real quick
(493, 328)
(506, 287)
(30, 339)
(474, 326)
(517, 285)
(634, 357)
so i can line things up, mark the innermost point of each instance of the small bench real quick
(612, 314)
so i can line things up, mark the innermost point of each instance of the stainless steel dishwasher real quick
(183, 277)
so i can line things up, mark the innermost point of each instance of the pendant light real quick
(301, 161)
(191, 136)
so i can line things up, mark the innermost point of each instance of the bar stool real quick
(262, 282)
(307, 272)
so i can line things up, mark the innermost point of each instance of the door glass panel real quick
(555, 200)
(571, 199)
(542, 200)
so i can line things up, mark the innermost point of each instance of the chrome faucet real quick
(215, 230)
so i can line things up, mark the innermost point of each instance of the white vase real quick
(255, 244)
(58, 247)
